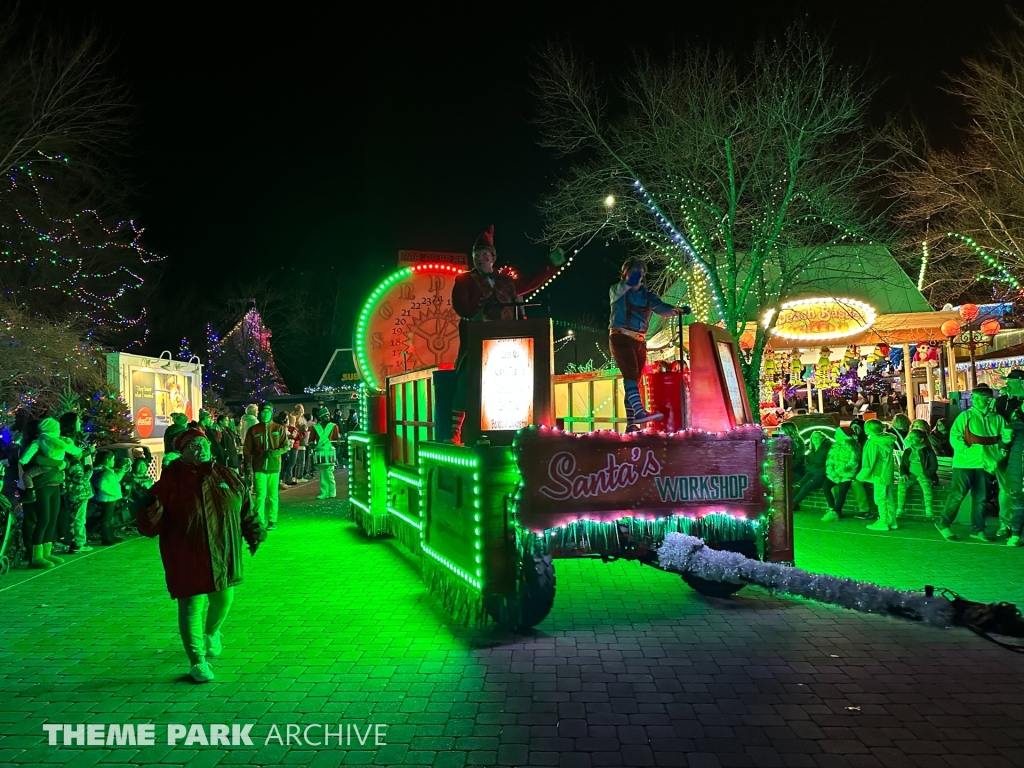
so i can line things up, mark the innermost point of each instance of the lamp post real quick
(967, 336)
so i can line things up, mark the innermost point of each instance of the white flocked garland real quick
(689, 555)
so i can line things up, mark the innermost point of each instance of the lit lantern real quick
(990, 327)
(950, 328)
(969, 312)
(747, 340)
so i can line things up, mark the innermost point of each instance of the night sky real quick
(291, 139)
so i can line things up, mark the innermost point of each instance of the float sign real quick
(605, 477)
(408, 258)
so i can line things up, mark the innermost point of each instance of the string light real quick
(924, 265)
(1003, 273)
(76, 262)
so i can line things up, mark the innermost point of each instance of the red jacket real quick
(264, 445)
(201, 513)
(474, 297)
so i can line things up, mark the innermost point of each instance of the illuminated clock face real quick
(408, 324)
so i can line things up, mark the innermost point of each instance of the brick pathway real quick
(631, 668)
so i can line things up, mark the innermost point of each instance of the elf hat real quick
(322, 412)
(485, 242)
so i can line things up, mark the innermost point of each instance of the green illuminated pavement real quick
(630, 669)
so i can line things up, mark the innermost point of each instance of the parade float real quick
(489, 518)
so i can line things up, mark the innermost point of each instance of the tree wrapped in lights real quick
(964, 207)
(740, 178)
(241, 363)
(71, 265)
(106, 417)
(40, 358)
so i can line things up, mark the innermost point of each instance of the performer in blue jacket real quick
(631, 307)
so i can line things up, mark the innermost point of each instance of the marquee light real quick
(821, 319)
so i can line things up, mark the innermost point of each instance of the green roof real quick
(867, 272)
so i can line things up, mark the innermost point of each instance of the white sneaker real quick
(214, 645)
(201, 672)
(1013, 541)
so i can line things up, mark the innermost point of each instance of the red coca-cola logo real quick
(144, 422)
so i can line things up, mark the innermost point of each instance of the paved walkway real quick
(631, 668)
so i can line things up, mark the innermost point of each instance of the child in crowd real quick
(917, 465)
(106, 480)
(789, 430)
(841, 469)
(878, 468)
(814, 468)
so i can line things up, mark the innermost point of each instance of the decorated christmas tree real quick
(106, 417)
(241, 363)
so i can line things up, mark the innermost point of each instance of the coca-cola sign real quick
(144, 422)
(605, 476)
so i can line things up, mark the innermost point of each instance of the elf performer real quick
(631, 307)
(484, 294)
(326, 436)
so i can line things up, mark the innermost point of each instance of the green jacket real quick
(877, 462)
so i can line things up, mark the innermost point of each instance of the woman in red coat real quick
(201, 512)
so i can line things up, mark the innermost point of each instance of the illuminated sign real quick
(506, 384)
(821, 319)
(155, 395)
(408, 258)
(732, 381)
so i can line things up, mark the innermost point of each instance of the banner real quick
(408, 258)
(154, 396)
(604, 476)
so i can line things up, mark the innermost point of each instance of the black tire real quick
(722, 589)
(712, 588)
(532, 601)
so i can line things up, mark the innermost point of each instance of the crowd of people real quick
(881, 464)
(72, 493)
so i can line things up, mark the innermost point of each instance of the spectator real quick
(249, 419)
(302, 441)
(201, 512)
(224, 434)
(77, 485)
(814, 468)
(799, 450)
(179, 423)
(841, 469)
(1012, 396)
(42, 469)
(900, 428)
(977, 437)
(106, 481)
(917, 465)
(940, 438)
(287, 420)
(1009, 482)
(264, 446)
(352, 422)
(878, 468)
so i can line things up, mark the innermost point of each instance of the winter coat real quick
(1013, 473)
(201, 513)
(929, 464)
(877, 462)
(815, 461)
(843, 460)
(264, 446)
(227, 448)
(631, 310)
(976, 440)
(77, 482)
(107, 484)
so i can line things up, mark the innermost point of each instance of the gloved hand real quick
(557, 257)
(634, 277)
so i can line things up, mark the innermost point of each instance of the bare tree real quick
(740, 178)
(58, 103)
(967, 205)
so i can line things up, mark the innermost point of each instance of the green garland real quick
(461, 601)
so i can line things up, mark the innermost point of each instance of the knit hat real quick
(322, 412)
(983, 389)
(485, 241)
(50, 427)
(1016, 373)
(187, 437)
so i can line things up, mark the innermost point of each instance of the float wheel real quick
(533, 599)
(723, 589)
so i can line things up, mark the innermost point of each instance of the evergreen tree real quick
(106, 417)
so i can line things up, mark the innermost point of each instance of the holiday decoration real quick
(851, 359)
(990, 327)
(811, 319)
(690, 555)
(950, 328)
(240, 364)
(969, 312)
(72, 263)
(107, 418)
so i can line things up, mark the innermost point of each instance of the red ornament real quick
(990, 327)
(950, 328)
(747, 340)
(969, 312)
(884, 349)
